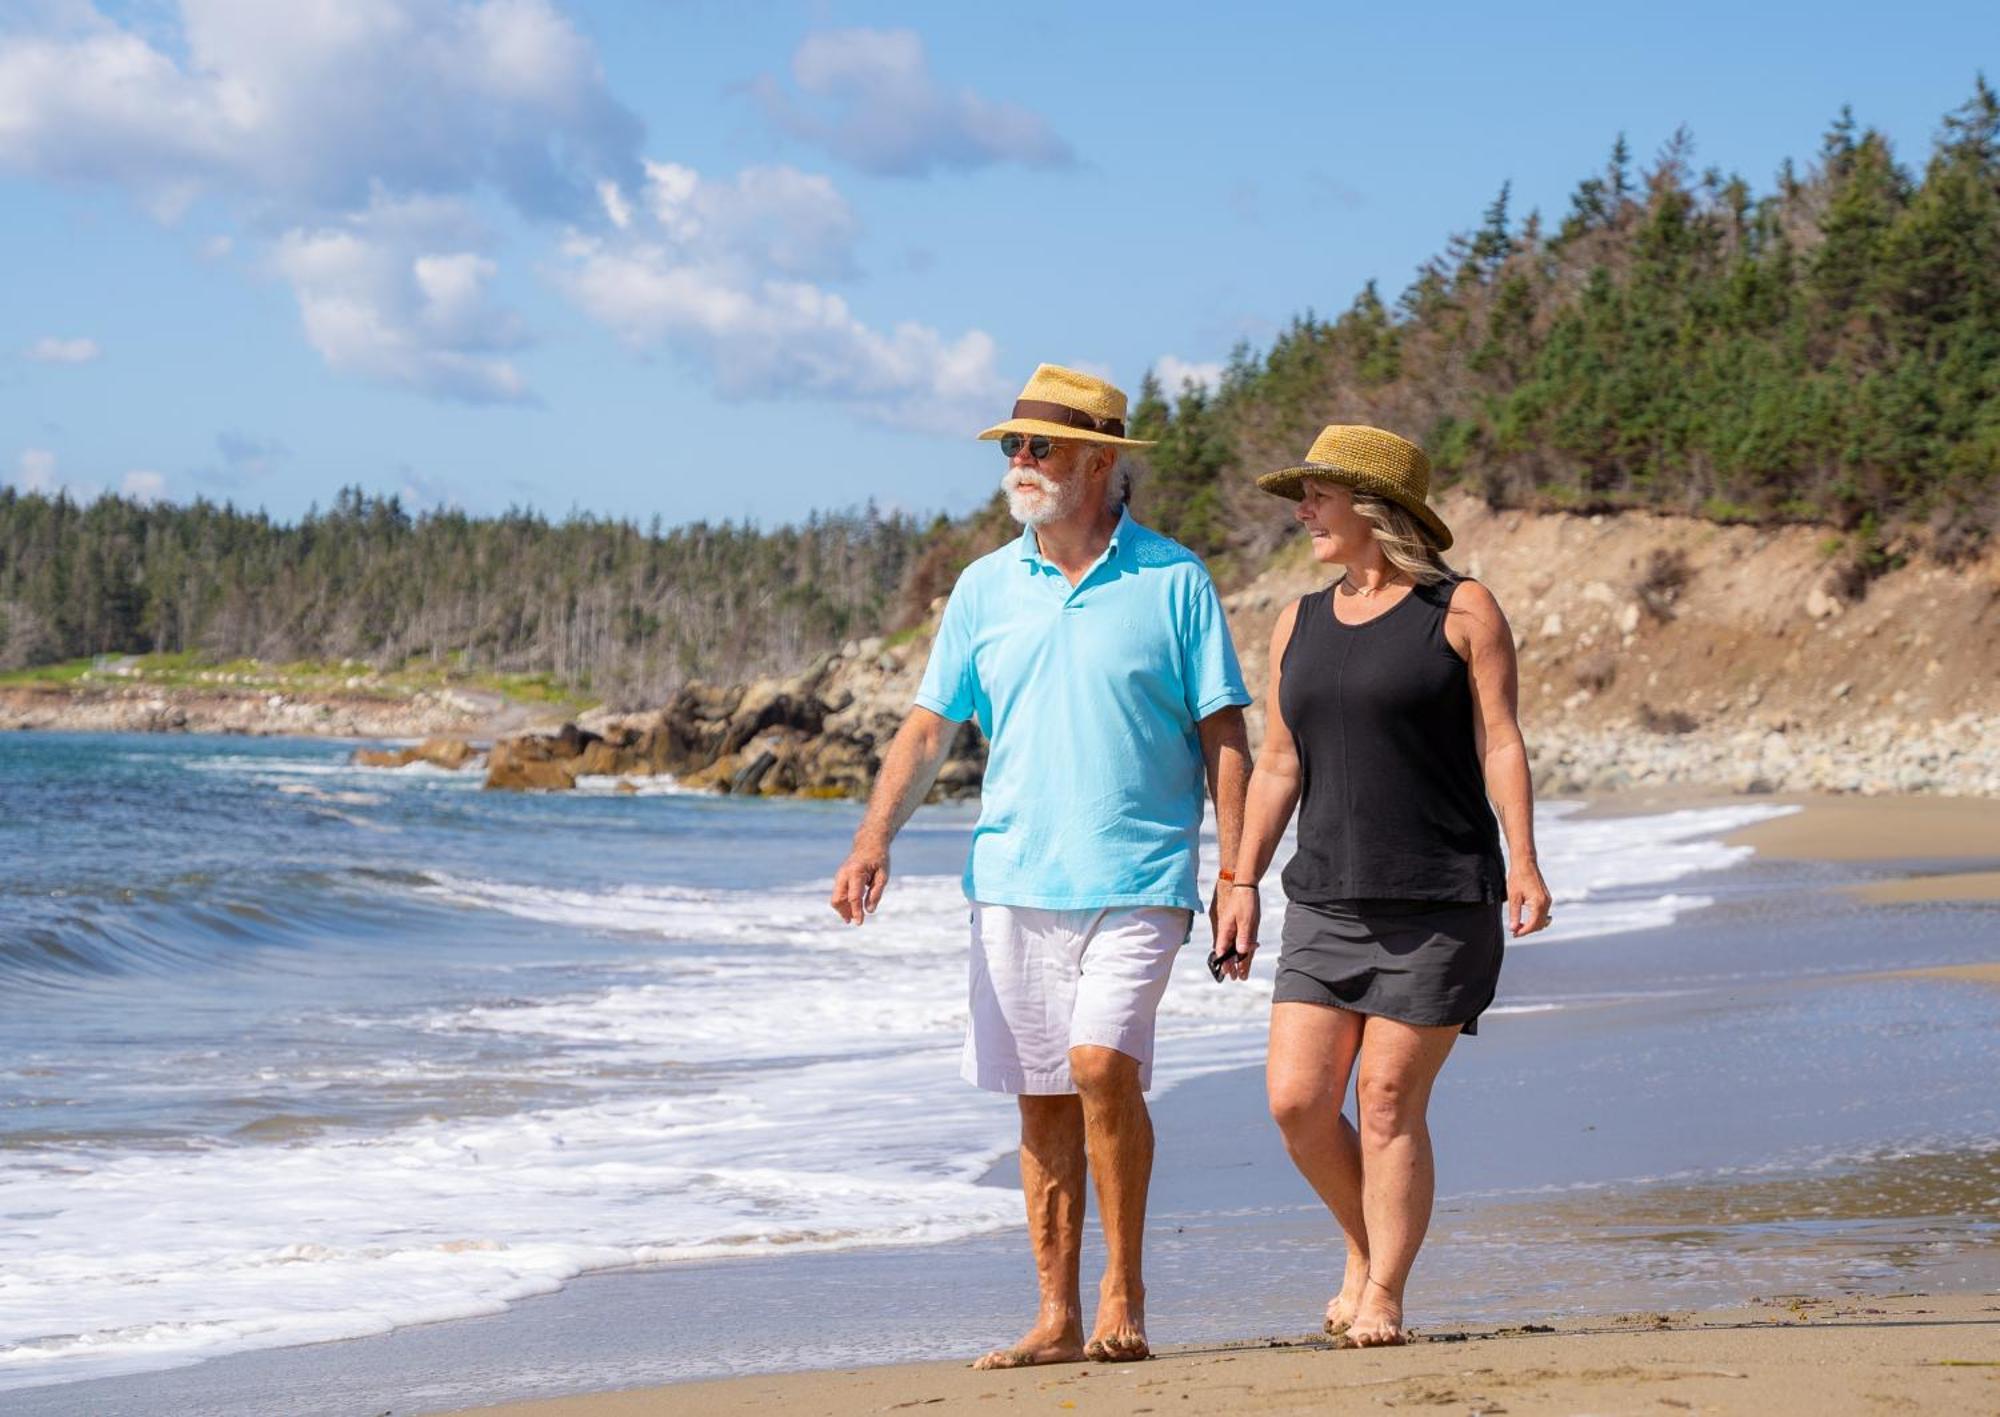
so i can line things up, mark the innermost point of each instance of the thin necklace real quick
(1353, 589)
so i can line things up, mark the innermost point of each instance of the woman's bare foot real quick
(1058, 1341)
(1378, 1322)
(1120, 1333)
(1341, 1308)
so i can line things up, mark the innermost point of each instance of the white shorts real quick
(1047, 981)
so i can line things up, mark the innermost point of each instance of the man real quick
(1095, 655)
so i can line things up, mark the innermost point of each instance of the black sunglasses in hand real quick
(1218, 962)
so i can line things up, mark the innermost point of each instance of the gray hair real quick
(1405, 543)
(1118, 487)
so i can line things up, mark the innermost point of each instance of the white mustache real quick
(1020, 477)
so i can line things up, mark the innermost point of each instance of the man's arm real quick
(1225, 752)
(907, 772)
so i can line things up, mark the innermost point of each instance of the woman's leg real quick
(1312, 1054)
(1392, 1093)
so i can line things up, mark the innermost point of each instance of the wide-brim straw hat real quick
(1065, 403)
(1369, 461)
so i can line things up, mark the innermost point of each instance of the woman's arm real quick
(1478, 630)
(1274, 793)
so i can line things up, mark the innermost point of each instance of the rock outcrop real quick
(820, 733)
(451, 753)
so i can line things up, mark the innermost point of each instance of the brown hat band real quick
(1068, 417)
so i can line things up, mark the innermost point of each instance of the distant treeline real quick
(601, 604)
(1826, 352)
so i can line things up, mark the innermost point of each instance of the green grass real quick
(1721, 509)
(66, 673)
(300, 677)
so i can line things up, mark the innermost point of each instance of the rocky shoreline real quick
(1655, 651)
(820, 733)
(141, 708)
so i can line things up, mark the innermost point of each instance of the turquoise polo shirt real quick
(1089, 696)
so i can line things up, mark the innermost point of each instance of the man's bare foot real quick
(1044, 1343)
(1341, 1308)
(1378, 1322)
(1120, 1333)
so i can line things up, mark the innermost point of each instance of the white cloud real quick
(35, 472)
(51, 350)
(869, 98)
(346, 142)
(143, 485)
(396, 295)
(775, 219)
(1176, 374)
(319, 119)
(716, 270)
(312, 104)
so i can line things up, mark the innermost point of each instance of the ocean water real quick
(293, 1051)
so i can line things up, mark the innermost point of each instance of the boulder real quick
(529, 764)
(775, 703)
(702, 701)
(518, 775)
(601, 759)
(750, 777)
(452, 753)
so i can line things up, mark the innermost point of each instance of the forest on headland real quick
(1825, 352)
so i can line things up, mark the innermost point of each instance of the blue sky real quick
(726, 260)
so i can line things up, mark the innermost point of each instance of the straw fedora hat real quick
(1368, 461)
(1063, 403)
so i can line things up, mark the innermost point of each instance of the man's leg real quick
(1119, 1135)
(1052, 1163)
(1312, 1055)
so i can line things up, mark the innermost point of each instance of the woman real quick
(1391, 713)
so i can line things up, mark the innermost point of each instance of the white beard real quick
(1057, 499)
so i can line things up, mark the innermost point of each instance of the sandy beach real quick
(1784, 1357)
(1938, 829)
(1950, 837)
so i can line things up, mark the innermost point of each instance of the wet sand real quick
(1970, 973)
(1877, 829)
(1799, 1357)
(1952, 837)
(1932, 886)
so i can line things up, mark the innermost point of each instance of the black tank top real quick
(1393, 803)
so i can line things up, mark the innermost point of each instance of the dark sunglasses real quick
(1038, 446)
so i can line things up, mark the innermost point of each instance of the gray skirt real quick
(1431, 963)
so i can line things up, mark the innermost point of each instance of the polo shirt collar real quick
(1030, 549)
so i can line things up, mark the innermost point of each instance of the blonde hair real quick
(1405, 543)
